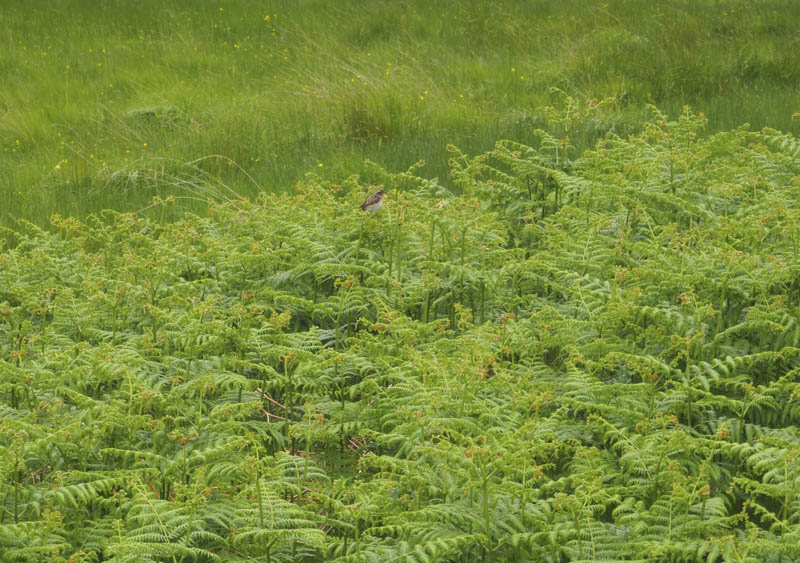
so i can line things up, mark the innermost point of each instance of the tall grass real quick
(101, 105)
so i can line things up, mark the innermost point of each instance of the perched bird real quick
(374, 202)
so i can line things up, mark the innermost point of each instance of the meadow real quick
(572, 333)
(102, 105)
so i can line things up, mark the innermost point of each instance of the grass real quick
(102, 105)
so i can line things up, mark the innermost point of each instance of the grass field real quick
(103, 105)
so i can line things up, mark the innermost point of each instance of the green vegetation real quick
(571, 360)
(100, 103)
(578, 343)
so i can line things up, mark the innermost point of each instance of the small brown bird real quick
(374, 202)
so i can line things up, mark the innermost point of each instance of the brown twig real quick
(356, 444)
(269, 414)
(271, 400)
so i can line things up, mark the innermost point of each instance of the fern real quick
(580, 357)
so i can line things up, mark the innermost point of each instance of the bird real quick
(374, 202)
